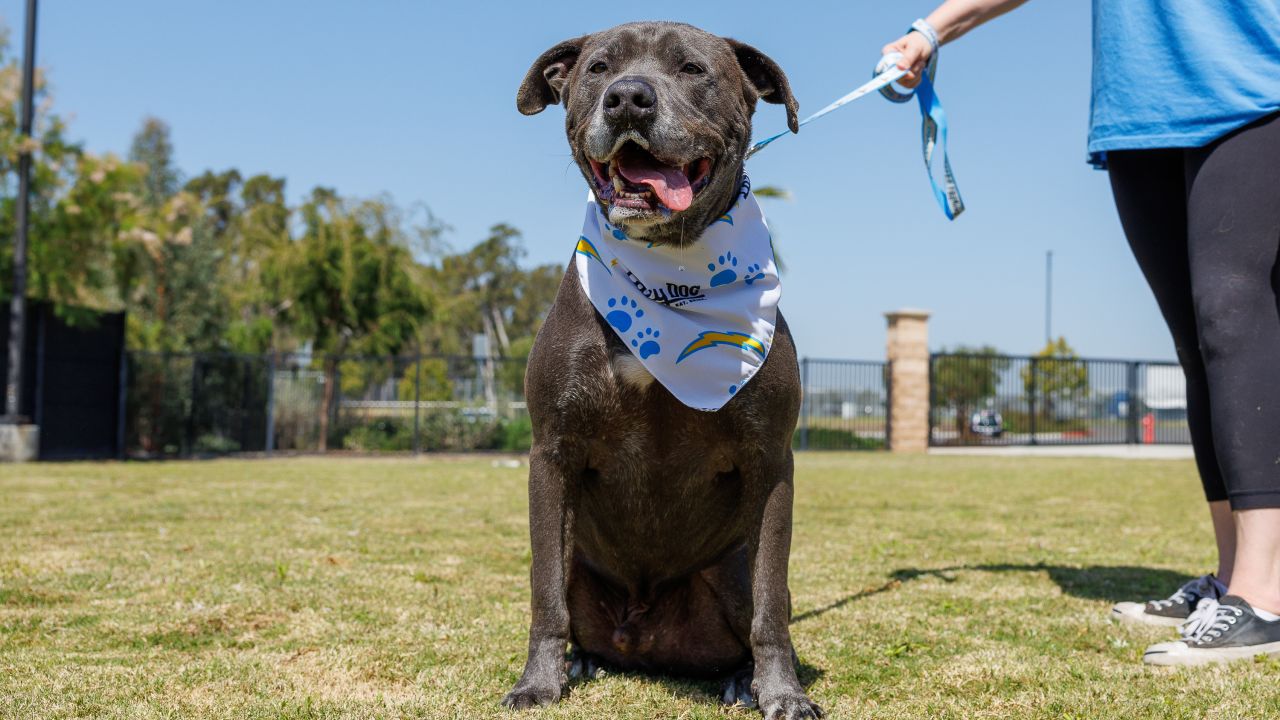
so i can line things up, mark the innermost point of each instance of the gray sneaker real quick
(1219, 632)
(1173, 610)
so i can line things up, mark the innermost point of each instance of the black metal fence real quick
(181, 404)
(212, 404)
(185, 404)
(846, 405)
(1008, 400)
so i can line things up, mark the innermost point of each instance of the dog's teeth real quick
(618, 184)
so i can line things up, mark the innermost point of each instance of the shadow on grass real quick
(853, 597)
(700, 690)
(1092, 582)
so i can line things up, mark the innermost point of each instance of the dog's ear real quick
(768, 79)
(544, 83)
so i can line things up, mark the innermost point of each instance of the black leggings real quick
(1204, 224)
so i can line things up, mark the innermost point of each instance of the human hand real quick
(915, 50)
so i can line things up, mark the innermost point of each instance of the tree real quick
(965, 377)
(772, 192)
(484, 283)
(171, 256)
(79, 203)
(152, 149)
(350, 281)
(1057, 376)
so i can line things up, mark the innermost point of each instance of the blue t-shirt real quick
(1180, 73)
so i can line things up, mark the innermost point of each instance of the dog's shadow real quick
(698, 690)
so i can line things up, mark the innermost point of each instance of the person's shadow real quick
(1091, 582)
(1112, 583)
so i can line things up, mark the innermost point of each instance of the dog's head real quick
(658, 116)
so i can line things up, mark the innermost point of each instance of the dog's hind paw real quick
(790, 707)
(581, 666)
(736, 691)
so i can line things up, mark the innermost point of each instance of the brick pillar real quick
(908, 355)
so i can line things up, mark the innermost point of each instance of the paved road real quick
(1130, 452)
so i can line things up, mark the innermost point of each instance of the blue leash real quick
(933, 120)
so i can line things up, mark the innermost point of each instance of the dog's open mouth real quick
(634, 178)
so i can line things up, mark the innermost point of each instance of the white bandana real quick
(700, 318)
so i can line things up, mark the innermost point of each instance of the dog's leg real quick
(776, 688)
(544, 680)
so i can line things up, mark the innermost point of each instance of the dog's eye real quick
(598, 67)
(692, 69)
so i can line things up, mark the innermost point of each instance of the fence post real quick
(908, 363)
(122, 403)
(417, 402)
(1035, 387)
(888, 401)
(191, 408)
(804, 404)
(1131, 421)
(336, 411)
(270, 444)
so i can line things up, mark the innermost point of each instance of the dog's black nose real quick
(630, 99)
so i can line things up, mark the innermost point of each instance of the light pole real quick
(18, 303)
(1048, 298)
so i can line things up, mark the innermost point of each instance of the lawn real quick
(924, 587)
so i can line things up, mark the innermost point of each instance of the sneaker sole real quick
(1180, 654)
(1143, 618)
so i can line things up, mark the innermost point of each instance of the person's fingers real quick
(896, 46)
(900, 46)
(915, 50)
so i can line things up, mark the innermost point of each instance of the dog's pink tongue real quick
(668, 183)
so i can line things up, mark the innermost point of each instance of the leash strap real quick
(880, 81)
(933, 119)
(933, 127)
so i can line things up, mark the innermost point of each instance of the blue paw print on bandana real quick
(727, 274)
(646, 343)
(622, 317)
(615, 232)
(753, 274)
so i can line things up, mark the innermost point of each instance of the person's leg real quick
(1150, 192)
(1233, 224)
(1258, 559)
(1233, 217)
(1224, 531)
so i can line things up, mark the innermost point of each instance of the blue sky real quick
(417, 99)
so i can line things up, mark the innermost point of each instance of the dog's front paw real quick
(531, 694)
(789, 706)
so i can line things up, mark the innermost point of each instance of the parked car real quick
(987, 422)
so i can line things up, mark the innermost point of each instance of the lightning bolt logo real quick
(586, 248)
(711, 338)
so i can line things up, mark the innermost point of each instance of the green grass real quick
(924, 587)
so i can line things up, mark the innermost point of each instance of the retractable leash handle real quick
(923, 27)
(933, 122)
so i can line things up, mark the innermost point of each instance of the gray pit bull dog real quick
(661, 534)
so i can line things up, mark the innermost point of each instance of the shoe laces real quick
(1209, 621)
(1189, 592)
